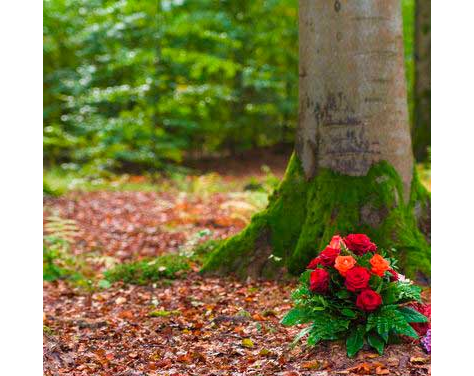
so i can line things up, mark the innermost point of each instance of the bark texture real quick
(422, 126)
(353, 167)
(353, 110)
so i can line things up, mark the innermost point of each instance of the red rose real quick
(394, 275)
(314, 263)
(357, 278)
(328, 256)
(368, 300)
(319, 280)
(422, 327)
(359, 244)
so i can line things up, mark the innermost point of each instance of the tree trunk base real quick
(303, 215)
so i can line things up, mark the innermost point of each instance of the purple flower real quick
(426, 342)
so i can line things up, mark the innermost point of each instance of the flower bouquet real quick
(353, 292)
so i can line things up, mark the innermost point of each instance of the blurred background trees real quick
(145, 84)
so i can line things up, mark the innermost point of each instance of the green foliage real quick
(355, 341)
(49, 191)
(296, 316)
(51, 267)
(326, 327)
(375, 341)
(390, 319)
(412, 315)
(401, 292)
(139, 83)
(146, 83)
(58, 261)
(146, 271)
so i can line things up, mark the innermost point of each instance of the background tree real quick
(145, 83)
(353, 170)
(422, 126)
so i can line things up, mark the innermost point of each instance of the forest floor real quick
(189, 325)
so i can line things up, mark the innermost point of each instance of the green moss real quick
(277, 228)
(146, 271)
(303, 215)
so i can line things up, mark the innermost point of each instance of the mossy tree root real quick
(302, 216)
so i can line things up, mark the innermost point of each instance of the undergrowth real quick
(162, 268)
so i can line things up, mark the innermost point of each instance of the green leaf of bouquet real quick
(296, 316)
(313, 338)
(400, 292)
(343, 294)
(406, 330)
(391, 294)
(376, 342)
(375, 282)
(355, 341)
(326, 326)
(364, 260)
(412, 315)
(349, 313)
(407, 292)
(390, 318)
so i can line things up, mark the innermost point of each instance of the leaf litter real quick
(192, 326)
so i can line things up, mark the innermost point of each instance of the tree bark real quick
(422, 126)
(353, 166)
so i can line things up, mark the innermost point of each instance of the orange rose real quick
(344, 263)
(379, 265)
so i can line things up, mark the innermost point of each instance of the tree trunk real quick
(422, 126)
(353, 166)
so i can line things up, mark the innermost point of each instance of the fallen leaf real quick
(313, 364)
(120, 300)
(264, 352)
(361, 369)
(247, 342)
(163, 313)
(126, 315)
(393, 361)
(185, 358)
(418, 360)
(372, 355)
(258, 317)
(380, 370)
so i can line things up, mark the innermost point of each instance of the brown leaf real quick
(361, 369)
(313, 364)
(380, 370)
